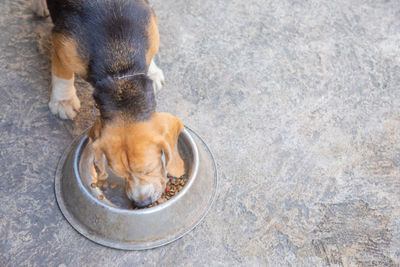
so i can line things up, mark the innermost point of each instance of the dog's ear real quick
(95, 130)
(98, 155)
(99, 160)
(169, 144)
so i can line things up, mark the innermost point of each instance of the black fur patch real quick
(112, 36)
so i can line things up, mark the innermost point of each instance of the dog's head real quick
(134, 151)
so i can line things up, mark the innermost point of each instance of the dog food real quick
(174, 185)
(102, 184)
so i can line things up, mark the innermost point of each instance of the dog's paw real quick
(65, 109)
(40, 8)
(157, 75)
(158, 80)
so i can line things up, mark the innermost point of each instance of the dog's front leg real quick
(157, 75)
(40, 8)
(63, 99)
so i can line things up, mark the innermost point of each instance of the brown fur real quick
(130, 142)
(127, 146)
(154, 38)
(132, 147)
(65, 58)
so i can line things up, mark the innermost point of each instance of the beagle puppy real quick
(111, 44)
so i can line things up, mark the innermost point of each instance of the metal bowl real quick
(111, 222)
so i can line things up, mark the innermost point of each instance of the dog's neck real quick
(127, 97)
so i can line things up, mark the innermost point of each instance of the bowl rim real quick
(134, 245)
(156, 208)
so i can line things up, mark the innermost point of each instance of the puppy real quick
(111, 44)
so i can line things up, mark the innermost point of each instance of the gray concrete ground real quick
(298, 100)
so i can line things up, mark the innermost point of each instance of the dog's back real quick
(111, 35)
(113, 40)
(111, 44)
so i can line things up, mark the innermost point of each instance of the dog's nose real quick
(142, 203)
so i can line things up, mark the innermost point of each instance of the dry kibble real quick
(112, 185)
(101, 197)
(174, 186)
(93, 185)
(105, 184)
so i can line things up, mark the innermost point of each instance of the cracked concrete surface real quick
(299, 102)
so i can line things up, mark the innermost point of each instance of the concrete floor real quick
(299, 102)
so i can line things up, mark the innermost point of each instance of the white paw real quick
(40, 8)
(158, 80)
(65, 109)
(157, 75)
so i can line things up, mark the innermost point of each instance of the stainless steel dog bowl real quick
(110, 222)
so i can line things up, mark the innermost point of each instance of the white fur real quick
(142, 192)
(63, 99)
(157, 75)
(40, 8)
